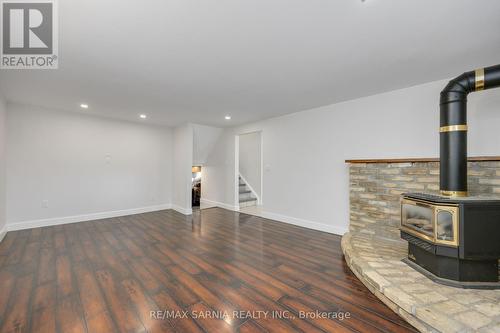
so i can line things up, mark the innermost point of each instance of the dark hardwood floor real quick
(113, 275)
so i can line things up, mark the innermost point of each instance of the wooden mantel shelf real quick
(422, 160)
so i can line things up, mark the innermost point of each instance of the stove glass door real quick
(447, 225)
(418, 217)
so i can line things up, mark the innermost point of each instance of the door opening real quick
(249, 178)
(196, 186)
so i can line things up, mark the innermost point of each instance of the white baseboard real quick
(3, 232)
(287, 219)
(182, 210)
(83, 218)
(306, 223)
(103, 215)
(220, 204)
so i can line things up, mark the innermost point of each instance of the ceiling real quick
(196, 61)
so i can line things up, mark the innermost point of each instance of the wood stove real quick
(454, 238)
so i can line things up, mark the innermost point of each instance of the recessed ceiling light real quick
(227, 117)
(143, 116)
(84, 106)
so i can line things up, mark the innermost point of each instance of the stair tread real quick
(248, 199)
(245, 191)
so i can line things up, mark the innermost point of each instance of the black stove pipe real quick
(453, 130)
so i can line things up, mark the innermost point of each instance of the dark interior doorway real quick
(196, 186)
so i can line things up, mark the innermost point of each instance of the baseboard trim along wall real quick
(306, 223)
(82, 218)
(182, 210)
(219, 204)
(104, 215)
(286, 219)
(3, 232)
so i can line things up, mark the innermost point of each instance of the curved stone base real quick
(428, 306)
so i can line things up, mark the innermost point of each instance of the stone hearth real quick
(373, 249)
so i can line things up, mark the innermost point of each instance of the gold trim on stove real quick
(479, 79)
(454, 193)
(436, 208)
(418, 234)
(452, 128)
(454, 213)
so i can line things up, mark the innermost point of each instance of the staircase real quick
(247, 198)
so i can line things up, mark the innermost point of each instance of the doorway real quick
(196, 186)
(249, 177)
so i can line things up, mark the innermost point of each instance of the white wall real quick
(219, 173)
(3, 113)
(183, 162)
(204, 140)
(250, 160)
(305, 177)
(79, 165)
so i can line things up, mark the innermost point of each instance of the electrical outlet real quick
(45, 203)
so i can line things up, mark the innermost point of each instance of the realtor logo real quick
(29, 34)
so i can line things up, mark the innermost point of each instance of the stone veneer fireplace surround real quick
(373, 247)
